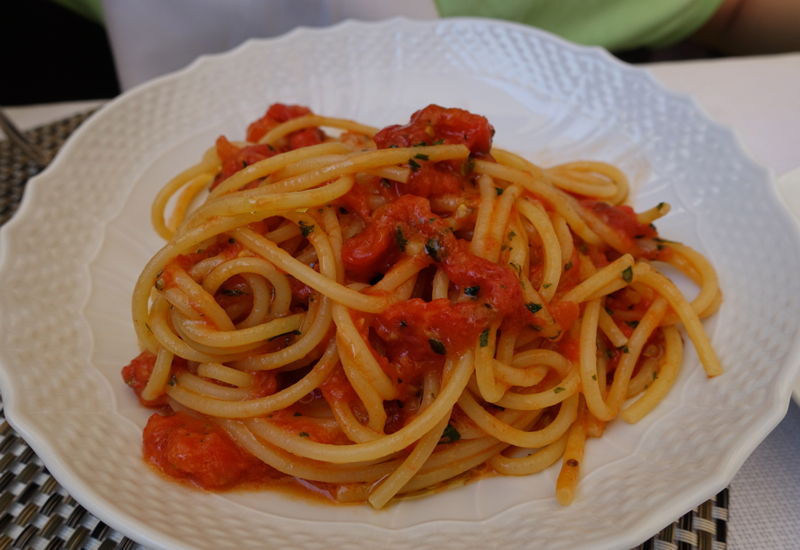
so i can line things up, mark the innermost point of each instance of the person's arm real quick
(744, 27)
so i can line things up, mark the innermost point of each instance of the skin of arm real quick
(746, 27)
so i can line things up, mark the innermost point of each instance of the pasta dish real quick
(382, 312)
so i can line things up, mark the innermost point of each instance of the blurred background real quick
(51, 53)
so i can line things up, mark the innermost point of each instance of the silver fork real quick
(19, 139)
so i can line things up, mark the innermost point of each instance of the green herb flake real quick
(232, 292)
(594, 377)
(400, 239)
(499, 190)
(511, 235)
(343, 211)
(655, 375)
(449, 435)
(231, 241)
(627, 274)
(172, 381)
(304, 434)
(420, 156)
(438, 142)
(468, 167)
(414, 165)
(624, 349)
(533, 307)
(558, 390)
(485, 338)
(437, 346)
(433, 250)
(632, 324)
(609, 310)
(660, 206)
(568, 266)
(420, 144)
(305, 228)
(472, 291)
(547, 285)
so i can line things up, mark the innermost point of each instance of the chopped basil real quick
(295, 332)
(660, 206)
(627, 274)
(413, 164)
(594, 377)
(433, 250)
(438, 142)
(305, 229)
(303, 434)
(533, 307)
(655, 375)
(468, 167)
(485, 338)
(232, 241)
(449, 435)
(624, 349)
(511, 235)
(609, 310)
(547, 285)
(472, 291)
(420, 144)
(437, 346)
(632, 324)
(420, 156)
(499, 190)
(400, 239)
(568, 266)
(558, 390)
(232, 292)
(171, 381)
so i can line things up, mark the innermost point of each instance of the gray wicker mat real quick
(37, 513)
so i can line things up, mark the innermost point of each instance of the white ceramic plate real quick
(71, 255)
(789, 190)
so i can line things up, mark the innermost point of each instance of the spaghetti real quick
(384, 311)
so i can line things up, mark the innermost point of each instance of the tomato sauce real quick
(187, 449)
(641, 239)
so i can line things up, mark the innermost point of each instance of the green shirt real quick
(613, 24)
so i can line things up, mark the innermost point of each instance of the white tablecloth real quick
(760, 98)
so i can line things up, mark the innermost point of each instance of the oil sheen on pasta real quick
(375, 313)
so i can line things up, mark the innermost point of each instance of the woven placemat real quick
(37, 513)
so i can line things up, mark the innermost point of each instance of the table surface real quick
(757, 97)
